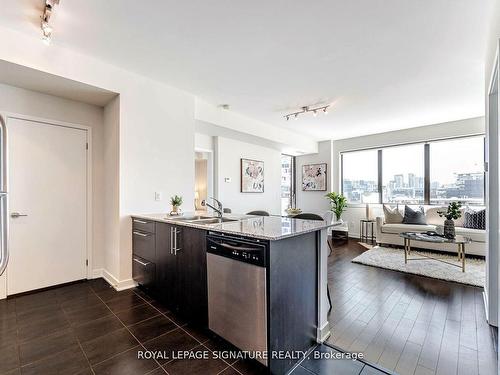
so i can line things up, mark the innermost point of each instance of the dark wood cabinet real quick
(179, 265)
(167, 277)
(192, 267)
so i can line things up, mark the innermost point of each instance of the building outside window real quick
(287, 182)
(453, 170)
(359, 172)
(403, 174)
(457, 171)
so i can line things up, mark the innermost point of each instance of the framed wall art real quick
(252, 176)
(314, 177)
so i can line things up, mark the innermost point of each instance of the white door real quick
(48, 184)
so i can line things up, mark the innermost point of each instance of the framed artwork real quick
(252, 176)
(314, 177)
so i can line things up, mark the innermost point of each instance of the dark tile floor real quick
(89, 328)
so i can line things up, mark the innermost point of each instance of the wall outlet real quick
(158, 196)
(227, 179)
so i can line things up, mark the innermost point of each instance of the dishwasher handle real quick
(230, 247)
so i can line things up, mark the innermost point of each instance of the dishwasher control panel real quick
(246, 251)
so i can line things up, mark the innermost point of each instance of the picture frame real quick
(251, 176)
(314, 177)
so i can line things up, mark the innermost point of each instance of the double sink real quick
(204, 220)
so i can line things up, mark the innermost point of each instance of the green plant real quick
(176, 201)
(338, 203)
(453, 211)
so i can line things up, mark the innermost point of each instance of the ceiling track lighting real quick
(45, 20)
(306, 109)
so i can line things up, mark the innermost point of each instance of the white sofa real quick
(388, 234)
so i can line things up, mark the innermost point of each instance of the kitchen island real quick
(259, 282)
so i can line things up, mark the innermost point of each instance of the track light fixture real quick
(306, 109)
(44, 24)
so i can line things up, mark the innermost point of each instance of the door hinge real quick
(86, 262)
(86, 146)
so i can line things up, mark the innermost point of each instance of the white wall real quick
(19, 101)
(111, 207)
(423, 133)
(228, 153)
(209, 113)
(315, 201)
(492, 273)
(156, 134)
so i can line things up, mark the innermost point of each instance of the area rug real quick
(393, 259)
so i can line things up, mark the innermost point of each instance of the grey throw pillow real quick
(392, 215)
(416, 217)
(475, 219)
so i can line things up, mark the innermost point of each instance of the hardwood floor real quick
(405, 323)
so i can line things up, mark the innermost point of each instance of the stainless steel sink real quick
(214, 220)
(204, 220)
(192, 218)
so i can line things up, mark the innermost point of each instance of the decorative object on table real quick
(416, 217)
(314, 177)
(338, 204)
(176, 202)
(252, 176)
(475, 219)
(364, 233)
(452, 213)
(392, 215)
(368, 212)
(390, 258)
(292, 211)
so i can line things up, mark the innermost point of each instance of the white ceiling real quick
(383, 64)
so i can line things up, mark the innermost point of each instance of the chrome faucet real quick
(219, 210)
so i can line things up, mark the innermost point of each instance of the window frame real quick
(293, 182)
(427, 166)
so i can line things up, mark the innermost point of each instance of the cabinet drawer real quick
(143, 271)
(143, 244)
(143, 225)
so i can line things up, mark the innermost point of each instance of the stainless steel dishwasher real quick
(237, 291)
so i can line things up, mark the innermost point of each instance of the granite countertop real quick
(263, 227)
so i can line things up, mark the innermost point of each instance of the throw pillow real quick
(475, 219)
(416, 217)
(432, 217)
(392, 215)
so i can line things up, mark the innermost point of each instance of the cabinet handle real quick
(171, 240)
(141, 234)
(140, 221)
(176, 249)
(141, 263)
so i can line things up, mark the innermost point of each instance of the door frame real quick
(491, 298)
(89, 204)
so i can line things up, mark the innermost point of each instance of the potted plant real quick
(452, 213)
(338, 204)
(176, 202)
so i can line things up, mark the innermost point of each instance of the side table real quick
(364, 233)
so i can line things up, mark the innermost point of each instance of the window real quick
(360, 176)
(403, 174)
(287, 182)
(457, 171)
(434, 172)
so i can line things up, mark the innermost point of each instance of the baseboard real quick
(97, 273)
(323, 333)
(115, 283)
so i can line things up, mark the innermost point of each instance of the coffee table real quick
(460, 241)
